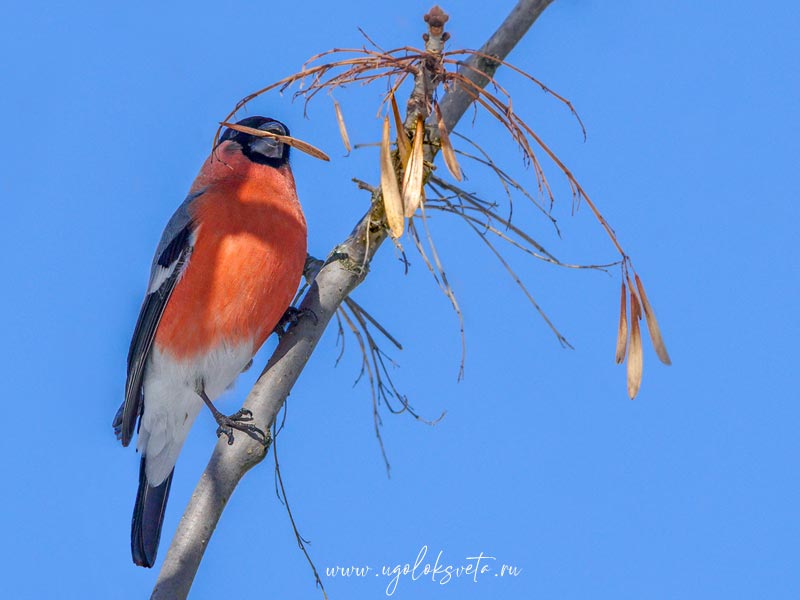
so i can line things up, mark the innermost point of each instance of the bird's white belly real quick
(171, 403)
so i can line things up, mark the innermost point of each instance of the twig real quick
(301, 542)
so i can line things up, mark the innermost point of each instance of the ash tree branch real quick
(345, 268)
(516, 25)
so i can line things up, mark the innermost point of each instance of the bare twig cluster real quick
(375, 365)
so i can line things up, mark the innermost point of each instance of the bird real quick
(223, 277)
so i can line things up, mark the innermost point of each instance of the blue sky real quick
(690, 491)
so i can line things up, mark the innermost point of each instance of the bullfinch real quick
(224, 273)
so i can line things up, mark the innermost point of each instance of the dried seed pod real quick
(392, 201)
(414, 173)
(284, 139)
(342, 126)
(635, 355)
(403, 145)
(652, 325)
(622, 332)
(448, 152)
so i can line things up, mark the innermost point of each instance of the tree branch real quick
(344, 270)
(516, 25)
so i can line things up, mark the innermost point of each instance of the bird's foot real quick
(239, 421)
(291, 317)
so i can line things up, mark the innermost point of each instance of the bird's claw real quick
(240, 421)
(291, 317)
(242, 415)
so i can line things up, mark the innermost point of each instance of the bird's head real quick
(262, 150)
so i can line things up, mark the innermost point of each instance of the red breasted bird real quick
(224, 274)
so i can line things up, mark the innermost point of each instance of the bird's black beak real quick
(266, 146)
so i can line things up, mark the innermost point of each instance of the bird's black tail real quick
(148, 516)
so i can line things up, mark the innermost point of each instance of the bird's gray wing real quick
(172, 256)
